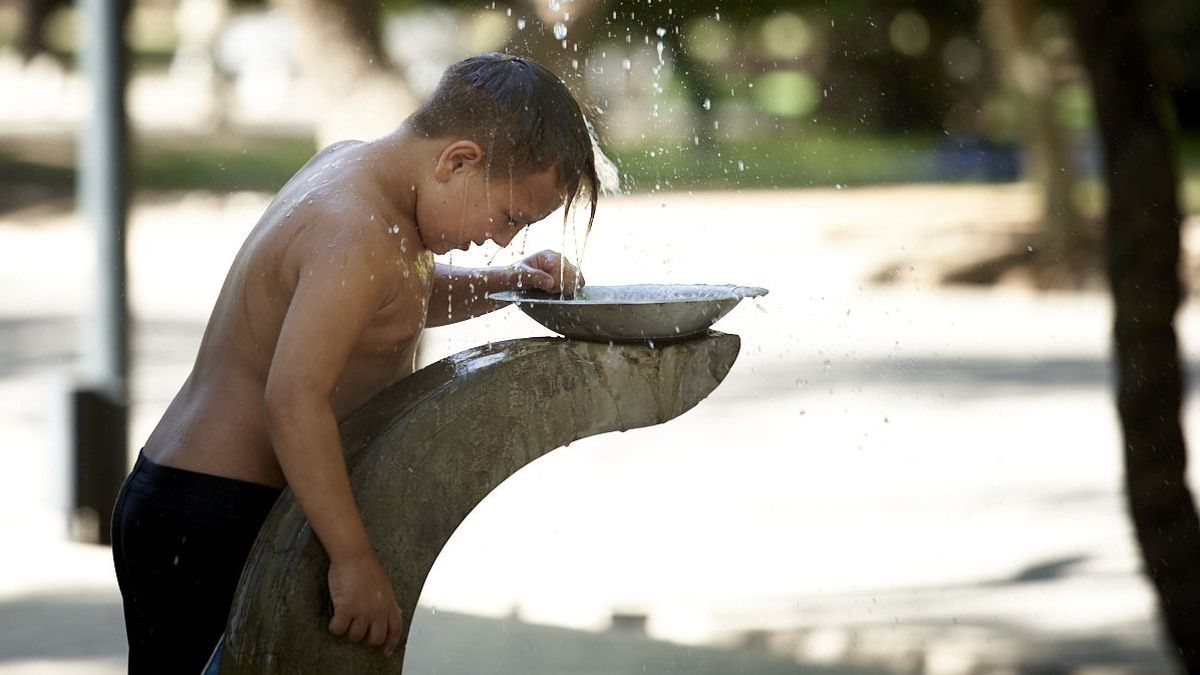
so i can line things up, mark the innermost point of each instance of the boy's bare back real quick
(330, 225)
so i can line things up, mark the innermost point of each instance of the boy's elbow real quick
(284, 401)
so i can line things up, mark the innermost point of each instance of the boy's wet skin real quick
(320, 311)
(340, 220)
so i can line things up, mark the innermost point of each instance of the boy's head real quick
(523, 119)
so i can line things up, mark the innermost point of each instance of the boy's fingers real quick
(339, 623)
(377, 633)
(358, 630)
(574, 280)
(395, 623)
(540, 279)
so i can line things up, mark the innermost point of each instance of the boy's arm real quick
(329, 310)
(460, 293)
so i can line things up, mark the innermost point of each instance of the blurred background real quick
(914, 467)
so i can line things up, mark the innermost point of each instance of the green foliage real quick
(219, 164)
(229, 164)
(817, 156)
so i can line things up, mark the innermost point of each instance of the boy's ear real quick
(457, 157)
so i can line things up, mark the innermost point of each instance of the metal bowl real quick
(638, 313)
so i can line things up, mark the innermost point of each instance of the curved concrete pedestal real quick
(425, 452)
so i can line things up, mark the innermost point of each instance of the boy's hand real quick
(543, 269)
(364, 604)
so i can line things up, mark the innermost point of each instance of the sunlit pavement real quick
(891, 472)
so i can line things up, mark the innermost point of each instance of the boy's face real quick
(470, 207)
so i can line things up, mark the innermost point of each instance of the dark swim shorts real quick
(180, 539)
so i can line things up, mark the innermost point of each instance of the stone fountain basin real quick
(636, 313)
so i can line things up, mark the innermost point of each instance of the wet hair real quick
(521, 114)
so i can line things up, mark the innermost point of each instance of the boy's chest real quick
(390, 335)
(384, 354)
(400, 322)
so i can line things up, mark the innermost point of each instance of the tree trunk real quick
(31, 36)
(339, 50)
(1022, 63)
(1142, 243)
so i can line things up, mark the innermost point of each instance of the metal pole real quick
(101, 404)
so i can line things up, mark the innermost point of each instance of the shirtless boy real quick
(320, 311)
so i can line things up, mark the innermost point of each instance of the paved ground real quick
(909, 473)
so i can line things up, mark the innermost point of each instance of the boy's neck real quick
(398, 158)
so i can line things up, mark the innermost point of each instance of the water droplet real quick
(659, 48)
(707, 104)
(560, 30)
(554, 5)
(661, 32)
(741, 165)
(627, 64)
(521, 24)
(508, 11)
